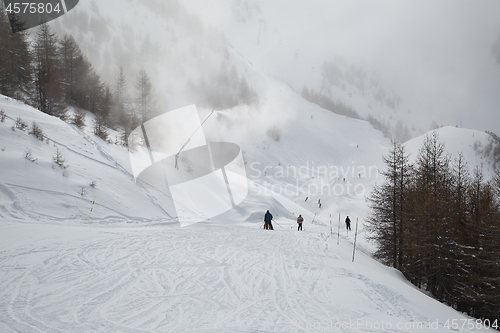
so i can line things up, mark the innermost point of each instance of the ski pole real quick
(91, 209)
(277, 223)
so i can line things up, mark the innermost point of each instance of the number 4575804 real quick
(456, 324)
(32, 7)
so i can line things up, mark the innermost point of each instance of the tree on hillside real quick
(483, 277)
(459, 233)
(71, 59)
(388, 202)
(144, 100)
(102, 112)
(15, 60)
(496, 182)
(123, 113)
(78, 118)
(49, 95)
(121, 101)
(432, 196)
(94, 91)
(440, 227)
(223, 89)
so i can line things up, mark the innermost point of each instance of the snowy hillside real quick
(41, 190)
(291, 147)
(470, 143)
(132, 266)
(60, 273)
(350, 53)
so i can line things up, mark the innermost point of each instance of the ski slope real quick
(205, 278)
(131, 268)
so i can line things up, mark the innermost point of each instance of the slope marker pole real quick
(331, 226)
(338, 233)
(355, 237)
(91, 209)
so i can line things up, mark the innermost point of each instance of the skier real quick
(307, 198)
(348, 223)
(299, 222)
(319, 203)
(267, 221)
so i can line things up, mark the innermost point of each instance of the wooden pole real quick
(355, 237)
(331, 226)
(91, 209)
(338, 233)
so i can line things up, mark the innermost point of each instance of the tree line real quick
(439, 224)
(52, 74)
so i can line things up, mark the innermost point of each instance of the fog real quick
(437, 55)
(442, 58)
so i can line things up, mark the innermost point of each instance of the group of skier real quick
(268, 217)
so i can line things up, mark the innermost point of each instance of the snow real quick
(205, 278)
(470, 143)
(133, 269)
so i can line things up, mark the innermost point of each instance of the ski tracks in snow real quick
(206, 278)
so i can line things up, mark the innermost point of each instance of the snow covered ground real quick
(204, 278)
(131, 268)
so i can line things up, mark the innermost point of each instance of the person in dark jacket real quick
(300, 219)
(267, 221)
(348, 223)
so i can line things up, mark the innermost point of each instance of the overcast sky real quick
(437, 54)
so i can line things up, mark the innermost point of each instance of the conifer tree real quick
(121, 101)
(483, 295)
(123, 113)
(102, 114)
(49, 94)
(71, 57)
(496, 182)
(15, 60)
(388, 221)
(78, 118)
(450, 227)
(433, 197)
(144, 100)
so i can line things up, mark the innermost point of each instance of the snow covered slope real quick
(470, 143)
(41, 190)
(131, 268)
(205, 278)
(58, 273)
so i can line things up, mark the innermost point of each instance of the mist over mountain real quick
(118, 211)
(415, 64)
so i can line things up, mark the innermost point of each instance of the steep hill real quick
(132, 268)
(471, 143)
